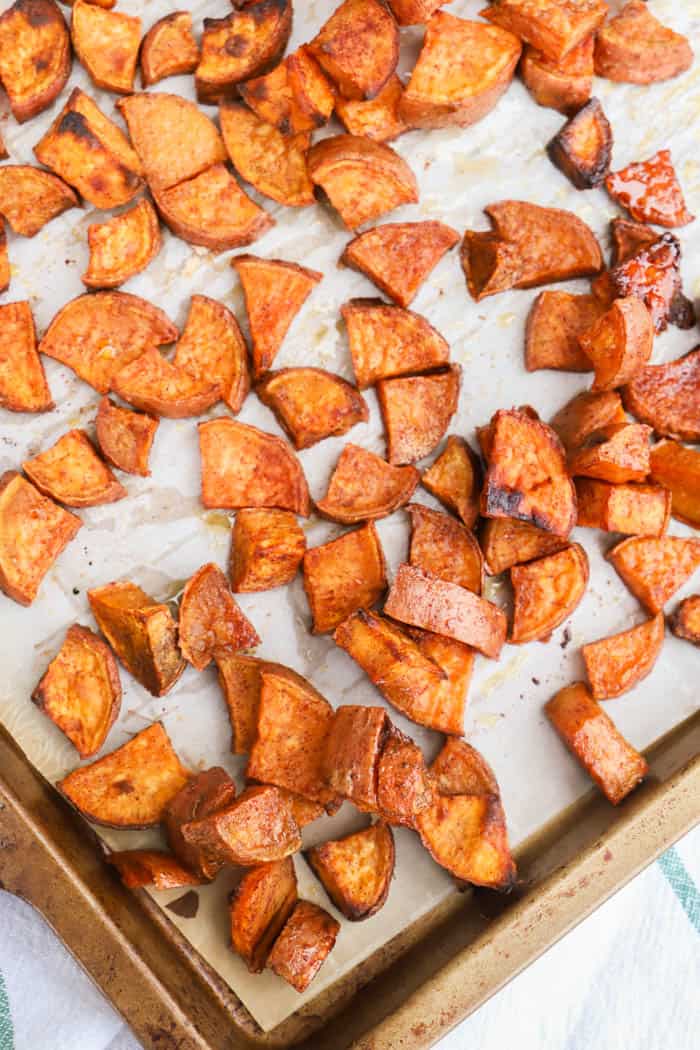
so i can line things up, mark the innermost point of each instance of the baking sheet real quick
(160, 534)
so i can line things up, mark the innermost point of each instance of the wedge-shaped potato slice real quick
(311, 404)
(655, 568)
(169, 48)
(616, 664)
(582, 149)
(358, 47)
(260, 906)
(466, 835)
(444, 548)
(35, 56)
(267, 547)
(142, 633)
(563, 84)
(351, 753)
(71, 472)
(33, 532)
(273, 163)
(356, 871)
(23, 386)
(122, 247)
(125, 437)
(649, 190)
(685, 622)
(652, 275)
(547, 591)
(212, 347)
(459, 769)
(635, 48)
(585, 413)
(364, 487)
(130, 787)
(107, 44)
(413, 12)
(203, 794)
(304, 944)
(362, 179)
(376, 118)
(294, 97)
(30, 197)
(667, 397)
(388, 341)
(552, 26)
(404, 786)
(416, 411)
(507, 542)
(146, 867)
(634, 510)
(344, 575)
(677, 468)
(241, 45)
(592, 737)
(455, 479)
(617, 453)
(246, 467)
(275, 292)
(462, 70)
(527, 246)
(554, 325)
(456, 660)
(210, 620)
(153, 384)
(241, 682)
(99, 334)
(255, 829)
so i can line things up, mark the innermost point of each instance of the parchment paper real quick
(160, 534)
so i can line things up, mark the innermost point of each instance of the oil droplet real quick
(505, 320)
(216, 519)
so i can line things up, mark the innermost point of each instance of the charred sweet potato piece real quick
(351, 752)
(107, 44)
(506, 542)
(153, 384)
(33, 532)
(552, 26)
(267, 547)
(527, 246)
(617, 453)
(585, 413)
(99, 334)
(358, 47)
(203, 794)
(563, 84)
(444, 548)
(547, 591)
(260, 906)
(125, 437)
(459, 769)
(654, 568)
(294, 97)
(616, 664)
(627, 237)
(652, 275)
(246, 467)
(255, 829)
(364, 487)
(388, 341)
(23, 386)
(210, 620)
(145, 867)
(635, 48)
(30, 197)
(362, 179)
(591, 736)
(554, 325)
(634, 510)
(582, 149)
(241, 45)
(212, 347)
(122, 247)
(462, 70)
(466, 835)
(416, 411)
(71, 472)
(667, 397)
(404, 786)
(356, 871)
(35, 56)
(455, 479)
(650, 191)
(685, 622)
(677, 468)
(413, 12)
(169, 48)
(344, 575)
(142, 633)
(311, 404)
(302, 947)
(130, 787)
(376, 118)
(273, 163)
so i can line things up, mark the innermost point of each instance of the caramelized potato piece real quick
(303, 945)
(459, 769)
(376, 118)
(507, 542)
(677, 468)
(362, 179)
(364, 487)
(564, 84)
(210, 620)
(255, 829)
(71, 472)
(241, 682)
(311, 404)
(552, 26)
(617, 453)
(655, 568)
(685, 622)
(142, 633)
(466, 835)
(31, 197)
(455, 479)
(294, 97)
(627, 237)
(169, 48)
(356, 871)
(267, 547)
(23, 386)
(358, 47)
(351, 753)
(35, 56)
(652, 275)
(125, 437)
(154, 384)
(416, 411)
(130, 787)
(344, 575)
(107, 44)
(616, 664)
(388, 341)
(484, 434)
(635, 48)
(456, 660)
(145, 867)
(619, 344)
(404, 786)
(444, 548)
(212, 348)
(554, 325)
(650, 191)
(122, 247)
(582, 149)
(246, 467)
(259, 907)
(413, 12)
(667, 397)
(592, 738)
(33, 532)
(241, 45)
(546, 593)
(634, 510)
(462, 70)
(585, 413)
(203, 794)
(273, 163)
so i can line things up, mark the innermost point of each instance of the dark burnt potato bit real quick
(583, 147)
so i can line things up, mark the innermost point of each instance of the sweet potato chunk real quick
(273, 163)
(267, 547)
(145, 867)
(212, 348)
(23, 386)
(274, 292)
(554, 325)
(107, 44)
(344, 575)
(351, 752)
(404, 786)
(582, 149)
(627, 237)
(241, 682)
(563, 84)
(142, 633)
(616, 664)
(677, 468)
(33, 532)
(364, 487)
(546, 593)
(255, 829)
(444, 548)
(125, 437)
(591, 736)
(507, 542)
(466, 834)
(358, 47)
(30, 197)
(650, 191)
(413, 12)
(154, 384)
(376, 118)
(619, 343)
(294, 97)
(652, 275)
(203, 794)
(5, 272)
(362, 179)
(654, 568)
(585, 413)
(246, 467)
(635, 48)
(303, 945)
(552, 26)
(122, 247)
(388, 341)
(130, 787)
(527, 246)
(99, 334)
(241, 45)
(71, 472)
(456, 660)
(634, 510)
(667, 397)
(462, 70)
(455, 479)
(260, 906)
(311, 404)
(35, 56)
(459, 769)
(685, 622)
(356, 871)
(210, 620)
(617, 453)
(169, 48)
(416, 411)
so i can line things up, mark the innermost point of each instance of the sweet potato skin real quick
(635, 48)
(71, 472)
(547, 591)
(351, 752)
(551, 26)
(125, 437)
(259, 907)
(678, 469)
(168, 48)
(634, 510)
(257, 828)
(444, 548)
(344, 575)
(455, 478)
(23, 386)
(311, 404)
(388, 341)
(554, 324)
(685, 622)
(210, 620)
(654, 568)
(212, 346)
(356, 871)
(582, 149)
(364, 487)
(267, 548)
(31, 197)
(122, 247)
(416, 411)
(650, 191)
(667, 397)
(303, 945)
(203, 794)
(358, 47)
(564, 85)
(616, 664)
(35, 56)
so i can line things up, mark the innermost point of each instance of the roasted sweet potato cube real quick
(635, 48)
(546, 592)
(388, 341)
(274, 292)
(462, 70)
(404, 786)
(552, 26)
(273, 163)
(358, 47)
(416, 411)
(362, 179)
(484, 434)
(455, 479)
(255, 829)
(304, 810)
(156, 385)
(466, 835)
(582, 149)
(591, 736)
(311, 404)
(303, 945)
(260, 906)
(240, 681)
(23, 386)
(107, 44)
(376, 118)
(356, 871)
(146, 867)
(351, 753)
(31, 197)
(667, 397)
(677, 468)
(142, 633)
(634, 510)
(71, 472)
(445, 548)
(203, 794)
(267, 547)
(169, 48)
(459, 769)
(685, 622)
(364, 487)
(130, 787)
(125, 437)
(585, 413)
(344, 575)
(554, 325)
(563, 84)
(294, 97)
(35, 56)
(122, 247)
(456, 660)
(617, 453)
(652, 275)
(33, 532)
(616, 664)
(506, 542)
(212, 347)
(627, 237)
(210, 620)
(241, 45)
(413, 12)
(650, 191)
(655, 568)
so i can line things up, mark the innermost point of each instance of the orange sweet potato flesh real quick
(377, 118)
(655, 568)
(634, 510)
(122, 247)
(413, 12)
(142, 867)
(484, 434)
(416, 411)
(107, 44)
(650, 191)
(627, 237)
(404, 786)
(685, 622)
(616, 664)
(212, 348)
(311, 404)
(652, 274)
(564, 85)
(617, 453)
(591, 736)
(294, 97)
(246, 467)
(31, 197)
(506, 542)
(257, 828)
(547, 591)
(582, 149)
(585, 413)
(260, 906)
(33, 532)
(23, 386)
(456, 660)
(168, 48)
(71, 472)
(445, 548)
(358, 47)
(273, 163)
(203, 794)
(35, 56)
(130, 787)
(210, 620)
(344, 575)
(141, 632)
(153, 384)
(267, 547)
(241, 682)
(462, 70)
(635, 48)
(303, 945)
(466, 834)
(5, 272)
(459, 769)
(552, 26)
(455, 479)
(667, 397)
(351, 752)
(554, 324)
(365, 487)
(388, 341)
(125, 437)
(677, 468)
(356, 871)
(240, 46)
